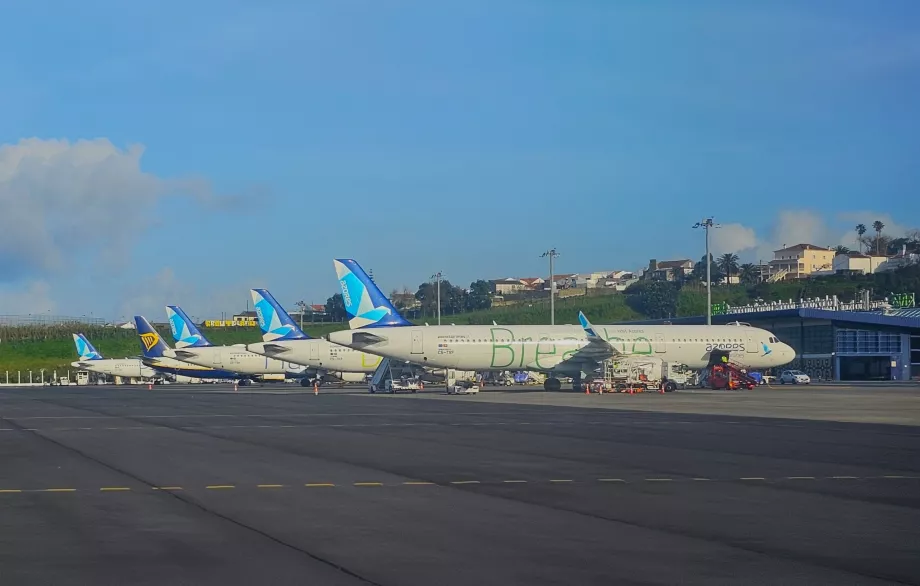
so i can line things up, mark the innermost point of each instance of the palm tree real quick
(840, 249)
(860, 230)
(877, 226)
(728, 263)
(748, 273)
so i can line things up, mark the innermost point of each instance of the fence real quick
(30, 378)
(44, 319)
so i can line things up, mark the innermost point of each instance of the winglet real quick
(85, 349)
(184, 331)
(589, 329)
(274, 322)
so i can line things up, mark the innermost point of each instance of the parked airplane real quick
(153, 349)
(92, 360)
(192, 347)
(281, 338)
(561, 350)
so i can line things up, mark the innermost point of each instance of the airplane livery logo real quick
(766, 349)
(150, 340)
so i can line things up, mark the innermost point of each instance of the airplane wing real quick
(586, 358)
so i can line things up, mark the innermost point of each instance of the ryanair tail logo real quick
(150, 340)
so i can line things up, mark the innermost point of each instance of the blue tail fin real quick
(365, 304)
(184, 331)
(85, 349)
(274, 322)
(152, 346)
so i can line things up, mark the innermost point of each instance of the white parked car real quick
(794, 377)
(463, 388)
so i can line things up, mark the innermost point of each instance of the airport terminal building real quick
(836, 341)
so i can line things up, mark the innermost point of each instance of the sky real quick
(182, 152)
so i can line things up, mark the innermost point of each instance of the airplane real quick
(192, 347)
(558, 350)
(281, 338)
(153, 349)
(93, 361)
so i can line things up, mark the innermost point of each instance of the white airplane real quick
(282, 339)
(153, 349)
(92, 360)
(192, 347)
(562, 350)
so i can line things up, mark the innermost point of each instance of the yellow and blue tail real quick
(85, 349)
(152, 345)
(185, 333)
(365, 304)
(274, 322)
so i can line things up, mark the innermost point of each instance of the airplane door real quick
(418, 346)
(750, 346)
(217, 359)
(660, 343)
(314, 351)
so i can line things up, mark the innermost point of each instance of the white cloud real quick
(149, 296)
(732, 238)
(34, 297)
(63, 201)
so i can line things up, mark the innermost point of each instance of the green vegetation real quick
(36, 347)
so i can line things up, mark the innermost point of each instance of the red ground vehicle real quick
(729, 376)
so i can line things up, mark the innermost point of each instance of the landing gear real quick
(244, 382)
(552, 384)
(576, 383)
(308, 382)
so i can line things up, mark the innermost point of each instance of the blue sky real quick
(415, 136)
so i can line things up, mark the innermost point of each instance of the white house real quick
(858, 262)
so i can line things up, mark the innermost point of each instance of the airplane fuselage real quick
(237, 359)
(548, 348)
(319, 355)
(168, 365)
(123, 367)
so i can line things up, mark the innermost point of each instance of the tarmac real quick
(201, 484)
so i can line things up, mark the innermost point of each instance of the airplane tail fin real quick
(184, 331)
(590, 332)
(152, 346)
(85, 349)
(274, 322)
(365, 304)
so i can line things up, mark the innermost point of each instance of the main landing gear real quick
(552, 384)
(576, 383)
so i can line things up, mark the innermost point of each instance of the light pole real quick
(303, 307)
(437, 276)
(706, 224)
(552, 254)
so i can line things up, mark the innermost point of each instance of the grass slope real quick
(52, 348)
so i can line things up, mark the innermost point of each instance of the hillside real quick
(25, 348)
(52, 348)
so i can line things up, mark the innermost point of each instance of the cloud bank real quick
(798, 226)
(68, 201)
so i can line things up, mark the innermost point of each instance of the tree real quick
(841, 249)
(335, 307)
(860, 230)
(728, 264)
(877, 226)
(699, 270)
(748, 274)
(656, 299)
(480, 296)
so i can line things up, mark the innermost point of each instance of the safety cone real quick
(661, 388)
(149, 386)
(587, 389)
(234, 386)
(421, 385)
(316, 388)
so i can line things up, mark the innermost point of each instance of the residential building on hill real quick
(801, 260)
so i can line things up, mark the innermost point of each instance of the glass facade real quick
(867, 342)
(808, 340)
